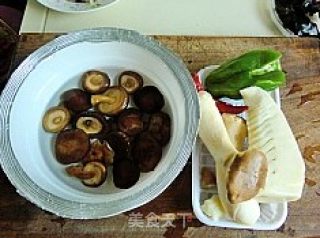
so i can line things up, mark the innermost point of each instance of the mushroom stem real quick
(96, 99)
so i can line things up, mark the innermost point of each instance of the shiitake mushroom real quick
(131, 81)
(56, 119)
(119, 143)
(100, 174)
(71, 146)
(126, 173)
(77, 171)
(160, 127)
(149, 99)
(76, 100)
(92, 174)
(130, 121)
(95, 81)
(101, 152)
(92, 123)
(146, 151)
(112, 101)
(148, 127)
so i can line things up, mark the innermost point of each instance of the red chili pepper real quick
(197, 82)
(228, 108)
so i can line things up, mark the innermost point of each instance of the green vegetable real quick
(230, 88)
(270, 80)
(261, 68)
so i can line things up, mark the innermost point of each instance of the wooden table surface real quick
(300, 103)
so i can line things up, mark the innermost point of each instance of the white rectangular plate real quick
(273, 215)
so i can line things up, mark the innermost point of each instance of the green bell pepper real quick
(260, 68)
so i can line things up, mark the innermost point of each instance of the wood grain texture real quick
(300, 102)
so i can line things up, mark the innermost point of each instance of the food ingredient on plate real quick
(96, 129)
(300, 16)
(228, 108)
(247, 176)
(269, 131)
(212, 207)
(214, 135)
(255, 68)
(56, 119)
(236, 128)
(273, 160)
(208, 178)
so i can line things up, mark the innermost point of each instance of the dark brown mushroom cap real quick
(149, 99)
(146, 151)
(130, 121)
(76, 100)
(101, 152)
(71, 146)
(160, 127)
(125, 173)
(119, 143)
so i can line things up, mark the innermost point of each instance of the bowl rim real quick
(79, 210)
(76, 8)
(277, 21)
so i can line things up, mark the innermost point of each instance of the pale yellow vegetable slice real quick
(214, 135)
(236, 128)
(269, 131)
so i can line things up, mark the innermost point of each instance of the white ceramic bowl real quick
(73, 7)
(276, 19)
(26, 150)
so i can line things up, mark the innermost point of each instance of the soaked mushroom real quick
(56, 119)
(160, 127)
(76, 100)
(95, 82)
(71, 146)
(100, 152)
(112, 101)
(147, 152)
(149, 99)
(100, 174)
(120, 144)
(130, 81)
(77, 171)
(125, 173)
(91, 123)
(130, 121)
